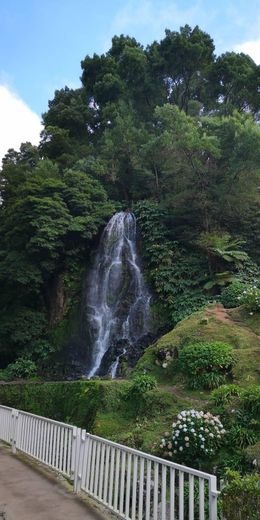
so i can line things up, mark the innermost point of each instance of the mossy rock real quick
(235, 327)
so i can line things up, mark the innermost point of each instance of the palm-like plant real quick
(223, 246)
(220, 249)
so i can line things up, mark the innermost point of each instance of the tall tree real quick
(234, 83)
(183, 59)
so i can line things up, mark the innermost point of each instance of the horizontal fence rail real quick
(132, 484)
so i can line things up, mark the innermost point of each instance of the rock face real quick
(117, 301)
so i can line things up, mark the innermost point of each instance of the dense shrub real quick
(240, 407)
(250, 400)
(250, 297)
(241, 436)
(195, 436)
(224, 394)
(206, 365)
(74, 402)
(142, 384)
(229, 296)
(241, 496)
(22, 369)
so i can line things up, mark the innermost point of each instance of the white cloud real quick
(18, 123)
(152, 18)
(251, 47)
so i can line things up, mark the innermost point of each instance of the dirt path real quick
(30, 495)
(220, 313)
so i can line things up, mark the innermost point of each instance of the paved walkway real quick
(30, 494)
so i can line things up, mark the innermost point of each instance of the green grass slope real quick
(233, 326)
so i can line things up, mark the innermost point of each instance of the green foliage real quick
(253, 455)
(250, 398)
(22, 369)
(76, 403)
(222, 246)
(241, 436)
(169, 125)
(224, 394)
(99, 406)
(240, 409)
(47, 220)
(142, 384)
(251, 298)
(241, 496)
(231, 294)
(174, 272)
(233, 79)
(206, 365)
(221, 249)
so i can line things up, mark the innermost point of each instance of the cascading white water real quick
(118, 302)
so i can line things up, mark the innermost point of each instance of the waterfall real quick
(118, 301)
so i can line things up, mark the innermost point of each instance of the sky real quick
(42, 43)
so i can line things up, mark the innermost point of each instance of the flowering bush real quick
(251, 298)
(231, 294)
(194, 435)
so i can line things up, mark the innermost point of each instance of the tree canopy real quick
(170, 130)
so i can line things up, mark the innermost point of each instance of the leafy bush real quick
(195, 435)
(142, 384)
(241, 496)
(22, 369)
(224, 394)
(240, 407)
(241, 436)
(229, 296)
(206, 365)
(250, 400)
(250, 297)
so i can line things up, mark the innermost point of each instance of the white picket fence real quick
(132, 484)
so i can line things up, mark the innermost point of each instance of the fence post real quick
(73, 452)
(79, 462)
(213, 495)
(14, 423)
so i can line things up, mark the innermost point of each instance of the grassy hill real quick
(233, 326)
